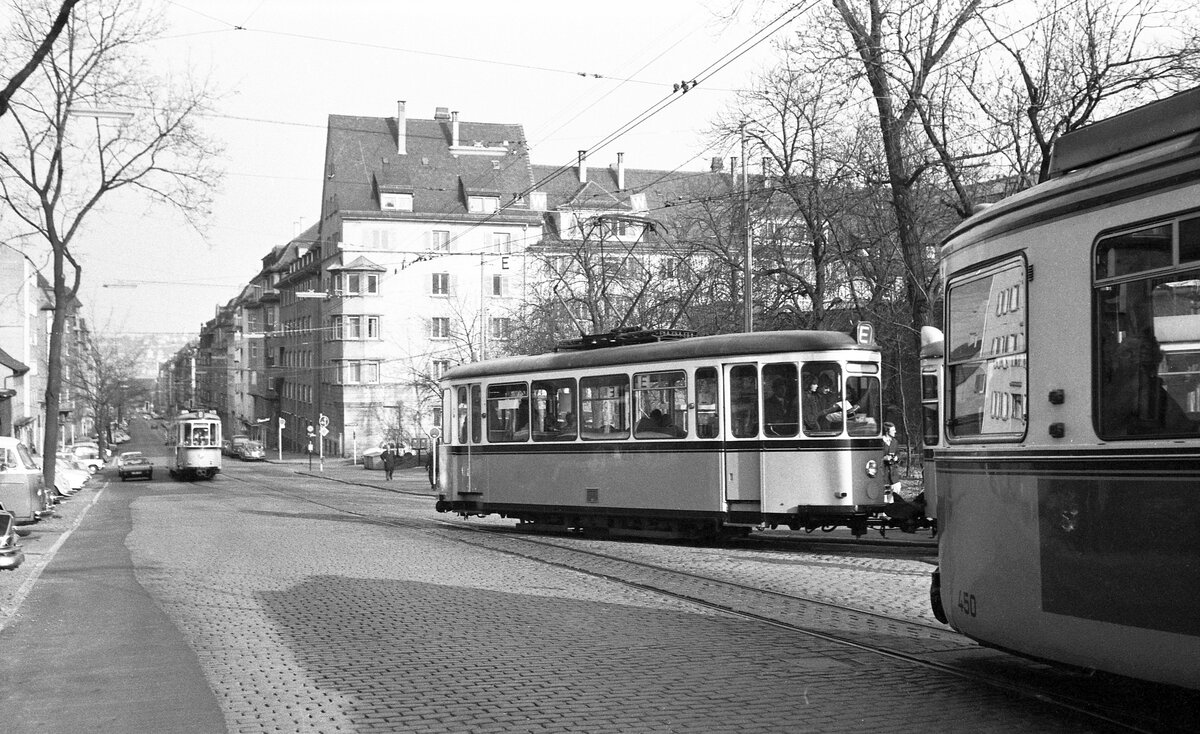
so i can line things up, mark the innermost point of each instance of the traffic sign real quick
(324, 420)
(282, 422)
(435, 433)
(310, 429)
(324, 431)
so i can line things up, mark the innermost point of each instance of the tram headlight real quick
(872, 468)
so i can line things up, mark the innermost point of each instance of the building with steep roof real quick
(423, 226)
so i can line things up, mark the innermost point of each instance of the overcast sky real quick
(294, 62)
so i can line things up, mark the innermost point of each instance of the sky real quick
(570, 73)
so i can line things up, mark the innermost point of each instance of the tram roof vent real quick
(623, 337)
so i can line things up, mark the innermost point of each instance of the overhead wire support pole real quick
(748, 276)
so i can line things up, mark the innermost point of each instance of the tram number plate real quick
(966, 603)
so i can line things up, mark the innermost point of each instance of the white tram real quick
(1067, 467)
(197, 439)
(647, 433)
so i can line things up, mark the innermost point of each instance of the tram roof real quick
(699, 347)
(1102, 163)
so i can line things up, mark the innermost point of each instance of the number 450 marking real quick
(966, 603)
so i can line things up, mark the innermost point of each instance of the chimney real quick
(401, 124)
(454, 128)
(583, 166)
(717, 165)
(620, 171)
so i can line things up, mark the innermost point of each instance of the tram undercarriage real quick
(907, 517)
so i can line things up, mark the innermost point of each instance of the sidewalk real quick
(412, 480)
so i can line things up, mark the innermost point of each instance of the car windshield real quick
(253, 445)
(131, 455)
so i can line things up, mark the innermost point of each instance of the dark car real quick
(250, 451)
(136, 466)
(11, 555)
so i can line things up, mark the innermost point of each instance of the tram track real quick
(911, 642)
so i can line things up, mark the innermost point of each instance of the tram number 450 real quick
(966, 603)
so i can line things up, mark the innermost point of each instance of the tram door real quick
(743, 459)
(468, 427)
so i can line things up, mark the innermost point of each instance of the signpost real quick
(310, 446)
(324, 421)
(282, 425)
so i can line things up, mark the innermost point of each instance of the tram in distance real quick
(1065, 439)
(664, 434)
(197, 438)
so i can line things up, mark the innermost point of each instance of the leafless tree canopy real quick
(91, 120)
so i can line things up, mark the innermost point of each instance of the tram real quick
(197, 438)
(663, 434)
(1066, 458)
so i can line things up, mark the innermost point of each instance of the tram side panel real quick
(640, 478)
(821, 477)
(1062, 539)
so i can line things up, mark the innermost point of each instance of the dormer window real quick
(396, 202)
(483, 204)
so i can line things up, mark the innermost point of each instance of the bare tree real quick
(898, 45)
(1078, 61)
(55, 171)
(39, 55)
(103, 377)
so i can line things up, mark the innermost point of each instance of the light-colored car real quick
(75, 474)
(88, 454)
(22, 491)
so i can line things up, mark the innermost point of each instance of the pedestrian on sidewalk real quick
(389, 461)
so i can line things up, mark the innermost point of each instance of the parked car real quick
(11, 555)
(70, 470)
(251, 451)
(88, 454)
(236, 441)
(136, 466)
(22, 491)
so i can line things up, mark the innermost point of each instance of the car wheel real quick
(150, 476)
(122, 477)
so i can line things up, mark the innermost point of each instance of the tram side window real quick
(604, 407)
(461, 414)
(985, 354)
(930, 420)
(822, 407)
(508, 412)
(781, 399)
(743, 401)
(708, 417)
(554, 410)
(1148, 335)
(476, 414)
(660, 403)
(863, 404)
